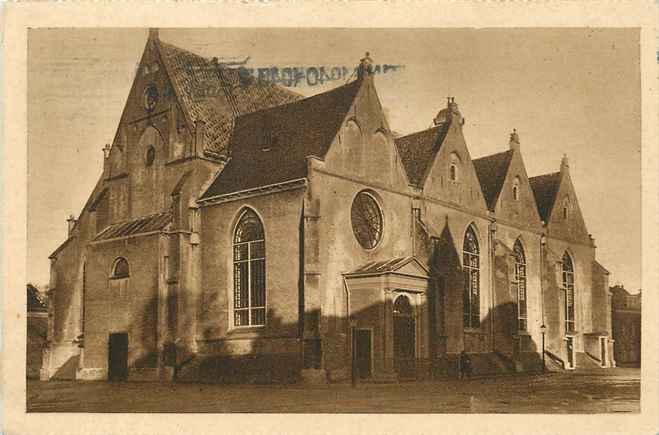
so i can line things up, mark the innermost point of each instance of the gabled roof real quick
(35, 303)
(271, 146)
(387, 266)
(491, 171)
(418, 151)
(216, 94)
(545, 187)
(141, 225)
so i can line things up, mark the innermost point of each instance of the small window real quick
(566, 208)
(150, 155)
(120, 269)
(516, 189)
(453, 170)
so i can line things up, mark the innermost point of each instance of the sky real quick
(566, 91)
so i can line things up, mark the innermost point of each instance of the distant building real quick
(626, 319)
(257, 234)
(37, 327)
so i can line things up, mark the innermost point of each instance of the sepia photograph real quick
(334, 220)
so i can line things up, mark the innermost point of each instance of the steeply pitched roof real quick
(145, 224)
(491, 171)
(270, 146)
(216, 94)
(35, 304)
(418, 151)
(545, 188)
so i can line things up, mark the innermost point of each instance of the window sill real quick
(246, 331)
(473, 331)
(522, 333)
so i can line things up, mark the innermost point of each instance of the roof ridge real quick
(301, 100)
(426, 130)
(545, 175)
(493, 155)
(183, 50)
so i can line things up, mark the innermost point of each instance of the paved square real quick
(597, 391)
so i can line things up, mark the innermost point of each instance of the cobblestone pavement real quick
(601, 391)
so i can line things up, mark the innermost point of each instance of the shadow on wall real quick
(272, 353)
(277, 354)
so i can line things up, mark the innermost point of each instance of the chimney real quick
(365, 68)
(153, 34)
(514, 140)
(71, 221)
(565, 164)
(200, 128)
(106, 160)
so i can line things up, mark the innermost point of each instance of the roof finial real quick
(153, 33)
(514, 139)
(365, 66)
(565, 163)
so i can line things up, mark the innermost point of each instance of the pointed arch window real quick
(568, 288)
(519, 285)
(516, 189)
(249, 271)
(566, 208)
(471, 269)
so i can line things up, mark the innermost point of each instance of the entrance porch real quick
(389, 319)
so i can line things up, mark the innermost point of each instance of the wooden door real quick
(118, 356)
(363, 353)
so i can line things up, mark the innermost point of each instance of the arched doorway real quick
(404, 338)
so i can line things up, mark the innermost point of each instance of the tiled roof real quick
(270, 146)
(491, 172)
(216, 94)
(545, 188)
(418, 151)
(145, 224)
(35, 303)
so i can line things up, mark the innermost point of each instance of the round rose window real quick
(366, 218)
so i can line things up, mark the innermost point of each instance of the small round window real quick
(150, 155)
(366, 218)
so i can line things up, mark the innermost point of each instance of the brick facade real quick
(169, 204)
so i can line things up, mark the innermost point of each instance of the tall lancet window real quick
(249, 271)
(568, 287)
(519, 284)
(471, 268)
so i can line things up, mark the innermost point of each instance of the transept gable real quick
(506, 187)
(566, 220)
(364, 146)
(452, 176)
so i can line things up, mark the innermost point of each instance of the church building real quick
(251, 234)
